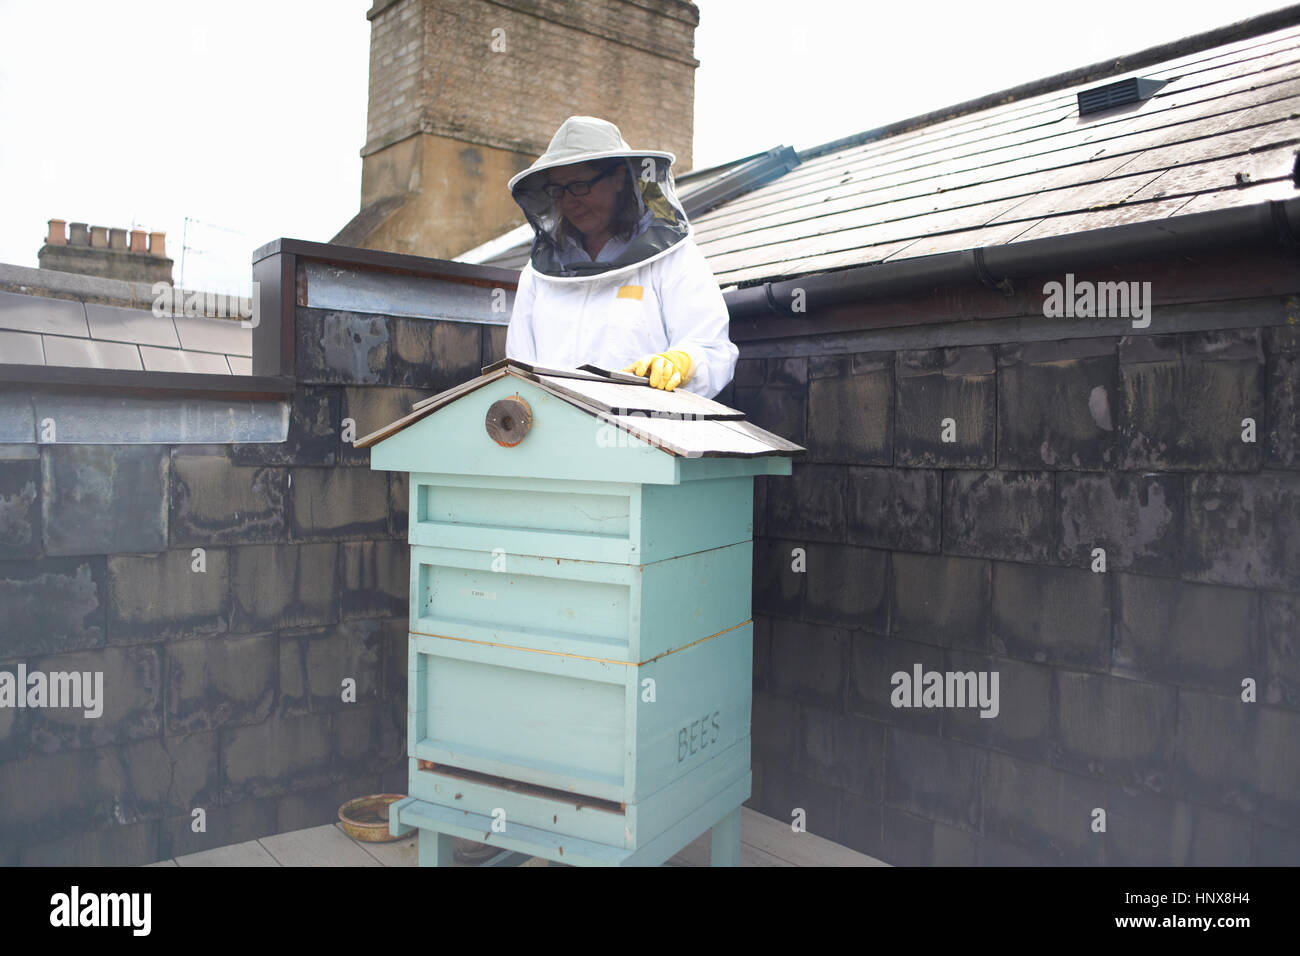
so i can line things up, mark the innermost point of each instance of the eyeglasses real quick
(579, 188)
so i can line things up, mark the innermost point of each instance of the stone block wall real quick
(222, 687)
(893, 545)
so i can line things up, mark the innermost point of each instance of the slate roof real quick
(679, 422)
(1222, 131)
(39, 329)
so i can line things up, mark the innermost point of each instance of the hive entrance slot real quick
(581, 801)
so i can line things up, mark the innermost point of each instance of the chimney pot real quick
(117, 239)
(157, 244)
(138, 240)
(57, 235)
(77, 234)
(99, 237)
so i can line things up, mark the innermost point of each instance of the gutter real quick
(1273, 224)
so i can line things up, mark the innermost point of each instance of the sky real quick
(227, 125)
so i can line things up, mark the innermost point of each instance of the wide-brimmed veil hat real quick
(649, 219)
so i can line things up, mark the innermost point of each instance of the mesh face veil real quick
(647, 219)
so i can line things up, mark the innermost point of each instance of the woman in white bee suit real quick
(615, 278)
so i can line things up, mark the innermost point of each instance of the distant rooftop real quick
(132, 255)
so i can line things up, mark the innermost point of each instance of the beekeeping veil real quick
(649, 209)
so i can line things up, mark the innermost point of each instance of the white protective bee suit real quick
(643, 295)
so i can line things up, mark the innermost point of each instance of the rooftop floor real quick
(764, 841)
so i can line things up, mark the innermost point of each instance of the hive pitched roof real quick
(680, 423)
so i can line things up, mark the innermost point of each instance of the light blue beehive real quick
(581, 651)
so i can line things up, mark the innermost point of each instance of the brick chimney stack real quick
(105, 251)
(465, 93)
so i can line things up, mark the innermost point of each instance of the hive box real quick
(580, 636)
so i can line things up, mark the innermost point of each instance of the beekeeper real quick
(614, 278)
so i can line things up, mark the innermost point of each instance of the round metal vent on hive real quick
(508, 421)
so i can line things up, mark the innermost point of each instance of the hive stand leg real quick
(435, 848)
(724, 840)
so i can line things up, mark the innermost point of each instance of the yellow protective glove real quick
(667, 369)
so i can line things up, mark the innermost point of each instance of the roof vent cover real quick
(1121, 93)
